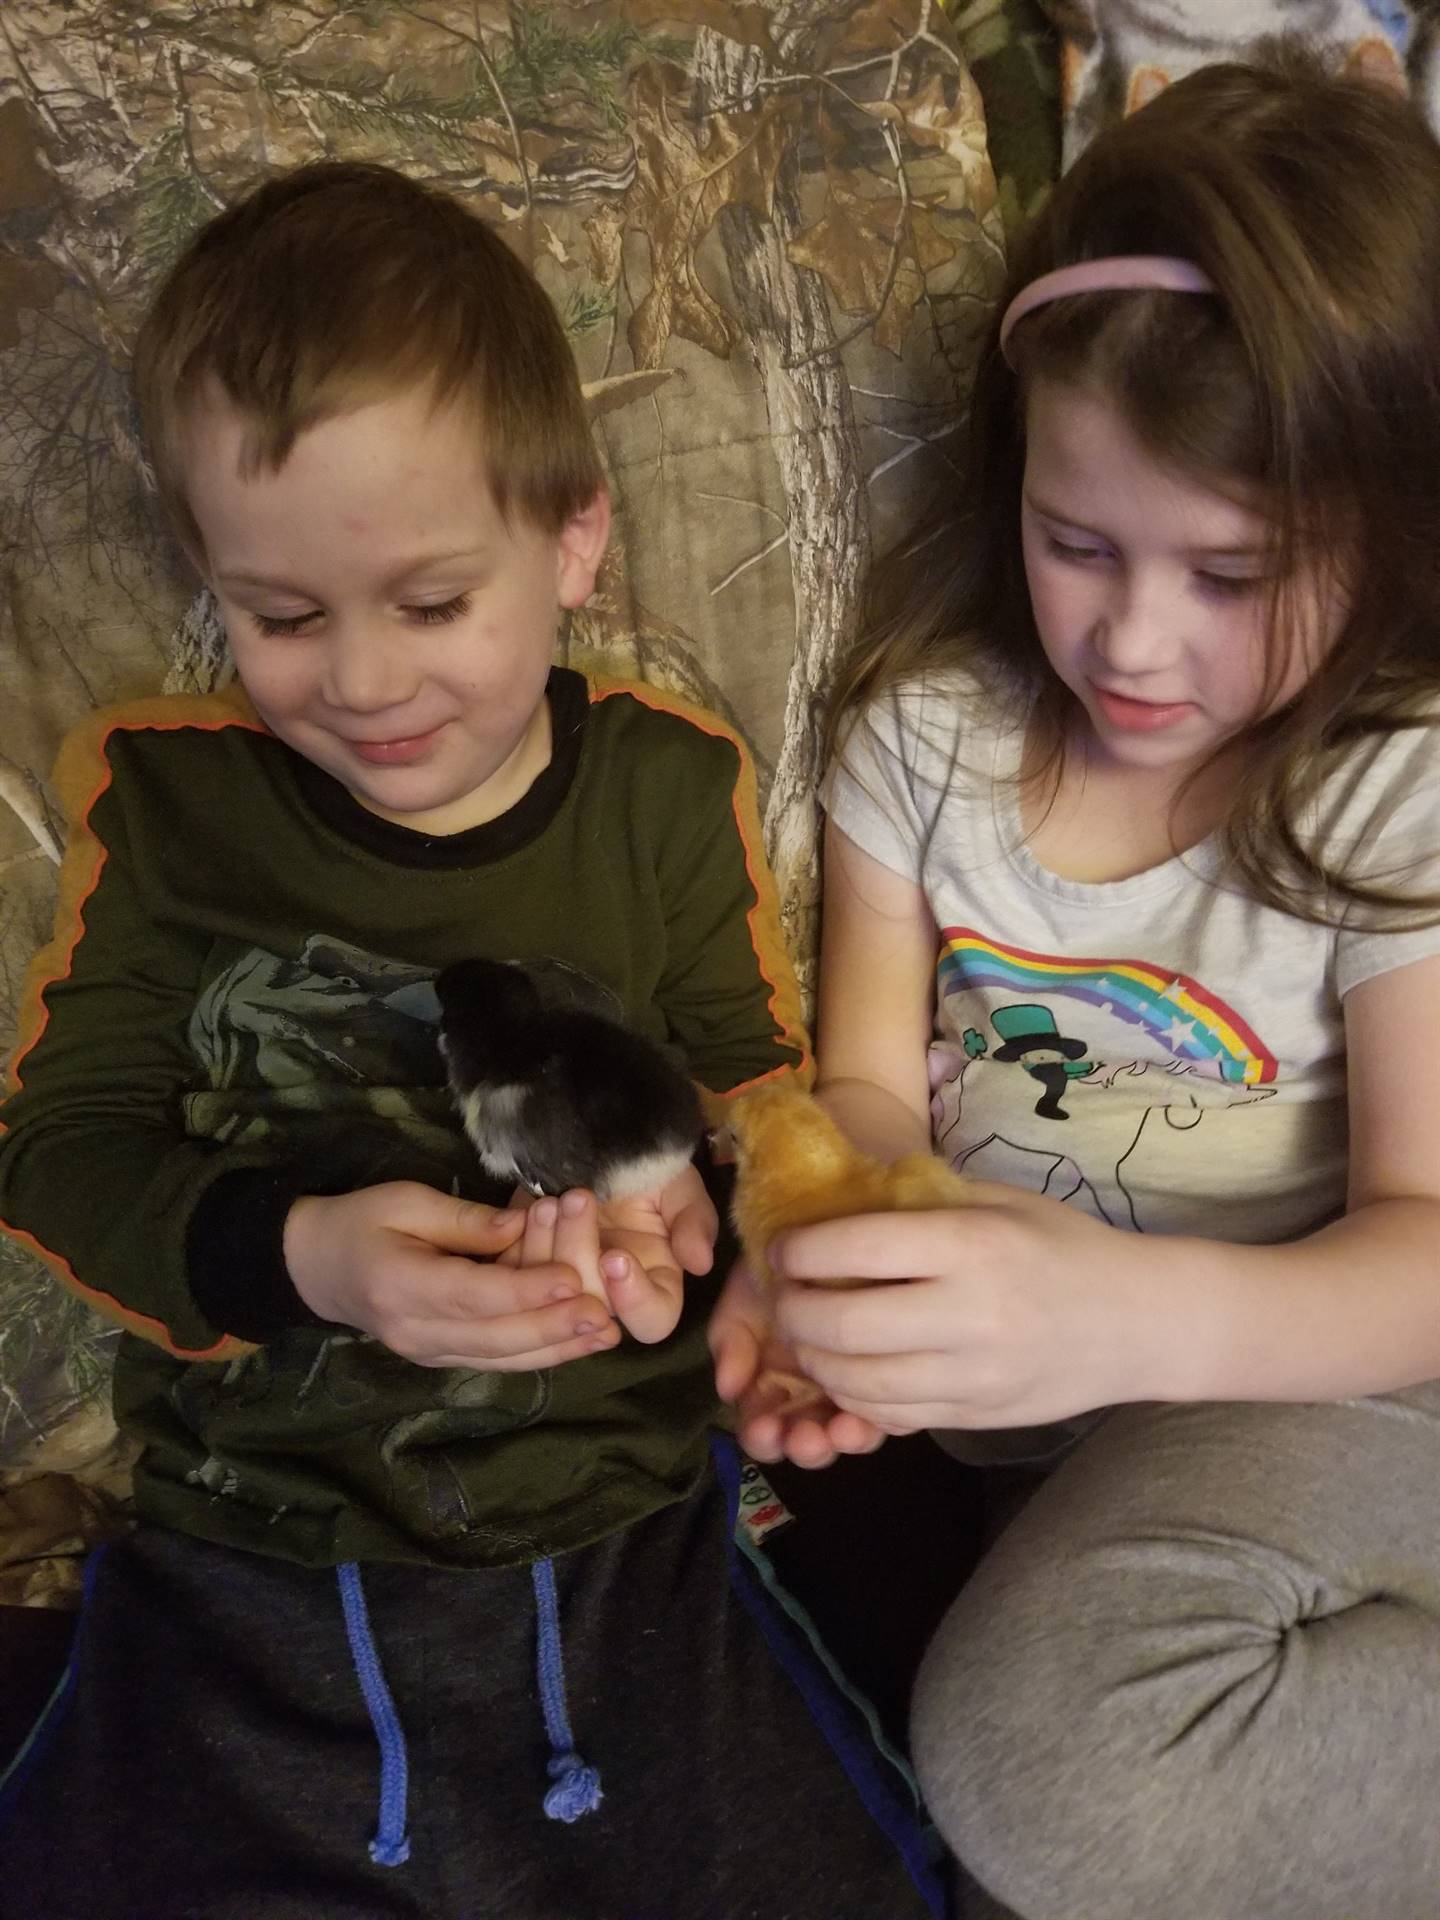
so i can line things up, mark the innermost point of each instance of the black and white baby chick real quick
(557, 1097)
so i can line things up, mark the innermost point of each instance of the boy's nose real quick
(368, 671)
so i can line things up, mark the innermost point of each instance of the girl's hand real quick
(419, 1270)
(1013, 1311)
(742, 1343)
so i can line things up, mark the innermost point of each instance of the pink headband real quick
(1114, 274)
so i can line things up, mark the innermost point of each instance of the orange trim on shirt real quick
(227, 1347)
(791, 1030)
(81, 784)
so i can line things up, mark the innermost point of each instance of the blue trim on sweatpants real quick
(12, 1780)
(916, 1847)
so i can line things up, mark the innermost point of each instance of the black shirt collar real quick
(494, 839)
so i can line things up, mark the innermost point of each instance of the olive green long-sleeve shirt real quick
(237, 1007)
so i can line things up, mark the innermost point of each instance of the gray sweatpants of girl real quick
(1198, 1677)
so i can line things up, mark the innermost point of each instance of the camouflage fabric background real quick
(772, 232)
(1014, 53)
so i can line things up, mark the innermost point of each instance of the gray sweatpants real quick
(1198, 1677)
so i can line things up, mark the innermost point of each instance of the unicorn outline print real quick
(1135, 1054)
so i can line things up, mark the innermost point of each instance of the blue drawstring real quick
(577, 1787)
(391, 1845)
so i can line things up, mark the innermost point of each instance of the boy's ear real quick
(581, 549)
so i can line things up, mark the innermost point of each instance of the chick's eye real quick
(441, 613)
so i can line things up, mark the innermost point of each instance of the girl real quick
(1130, 905)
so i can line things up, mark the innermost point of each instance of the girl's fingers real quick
(805, 1441)
(869, 1381)
(867, 1320)
(762, 1435)
(876, 1246)
(807, 1444)
(736, 1353)
(849, 1433)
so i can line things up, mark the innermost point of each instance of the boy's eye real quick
(445, 610)
(277, 627)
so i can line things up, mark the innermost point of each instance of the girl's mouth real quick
(1141, 716)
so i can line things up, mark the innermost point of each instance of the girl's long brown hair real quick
(1312, 382)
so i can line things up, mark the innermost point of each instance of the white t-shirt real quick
(1160, 1051)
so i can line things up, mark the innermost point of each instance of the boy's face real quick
(385, 621)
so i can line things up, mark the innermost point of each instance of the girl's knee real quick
(1060, 1741)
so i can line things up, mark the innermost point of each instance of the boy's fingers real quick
(577, 1238)
(532, 1362)
(576, 1325)
(693, 1237)
(537, 1248)
(467, 1226)
(469, 1291)
(645, 1300)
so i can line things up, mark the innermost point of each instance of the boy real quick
(231, 1132)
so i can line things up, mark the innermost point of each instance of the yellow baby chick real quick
(793, 1166)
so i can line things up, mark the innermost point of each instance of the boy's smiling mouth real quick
(389, 753)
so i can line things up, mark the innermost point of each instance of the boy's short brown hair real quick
(340, 283)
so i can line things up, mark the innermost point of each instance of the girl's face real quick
(1152, 594)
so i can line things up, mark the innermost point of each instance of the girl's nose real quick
(368, 670)
(1138, 631)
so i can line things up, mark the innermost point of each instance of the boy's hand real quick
(647, 1244)
(743, 1344)
(402, 1261)
(650, 1242)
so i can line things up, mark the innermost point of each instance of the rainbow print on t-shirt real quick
(1181, 1014)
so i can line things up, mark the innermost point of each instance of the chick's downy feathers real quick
(553, 1097)
(794, 1166)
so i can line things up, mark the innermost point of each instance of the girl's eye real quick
(1229, 586)
(1067, 550)
(277, 627)
(443, 611)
